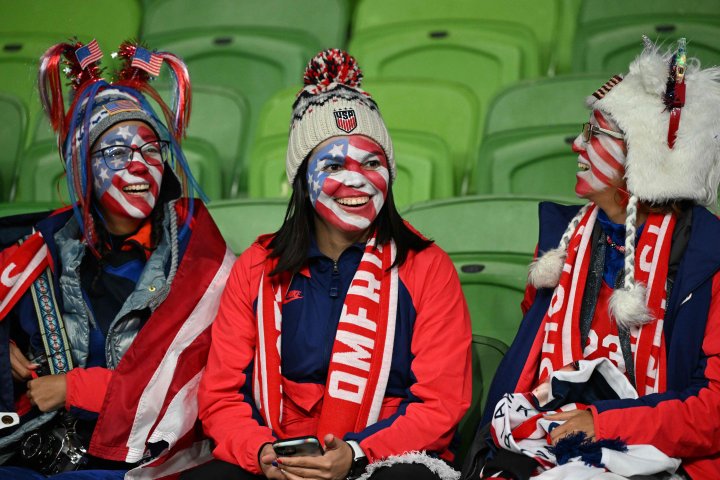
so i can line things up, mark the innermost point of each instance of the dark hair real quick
(291, 242)
(671, 206)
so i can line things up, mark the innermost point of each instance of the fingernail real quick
(279, 460)
(274, 463)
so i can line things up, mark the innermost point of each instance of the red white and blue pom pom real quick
(329, 68)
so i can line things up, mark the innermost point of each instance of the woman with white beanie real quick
(346, 325)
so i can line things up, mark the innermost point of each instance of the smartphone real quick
(298, 447)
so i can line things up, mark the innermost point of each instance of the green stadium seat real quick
(545, 23)
(529, 130)
(323, 23)
(241, 221)
(487, 353)
(41, 174)
(17, 208)
(491, 241)
(220, 116)
(470, 53)
(104, 20)
(254, 66)
(444, 110)
(421, 161)
(12, 140)
(609, 33)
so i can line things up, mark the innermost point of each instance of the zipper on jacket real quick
(335, 281)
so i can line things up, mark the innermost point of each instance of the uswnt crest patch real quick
(345, 120)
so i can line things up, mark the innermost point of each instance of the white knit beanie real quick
(331, 104)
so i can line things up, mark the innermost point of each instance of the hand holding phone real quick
(298, 447)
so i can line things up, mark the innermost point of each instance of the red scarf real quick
(20, 265)
(361, 355)
(559, 333)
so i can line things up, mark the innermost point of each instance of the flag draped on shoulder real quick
(152, 396)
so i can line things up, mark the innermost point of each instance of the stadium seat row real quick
(246, 58)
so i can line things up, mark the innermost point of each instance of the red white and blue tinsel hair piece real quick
(83, 119)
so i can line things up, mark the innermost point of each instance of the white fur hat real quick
(660, 165)
(332, 103)
(654, 171)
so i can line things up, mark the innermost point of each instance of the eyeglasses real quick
(118, 157)
(588, 130)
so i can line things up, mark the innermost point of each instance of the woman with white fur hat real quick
(617, 359)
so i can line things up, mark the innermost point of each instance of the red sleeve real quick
(680, 424)
(226, 414)
(441, 363)
(86, 388)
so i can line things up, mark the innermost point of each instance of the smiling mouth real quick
(583, 167)
(353, 201)
(136, 188)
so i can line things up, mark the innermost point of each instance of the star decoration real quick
(124, 132)
(337, 150)
(104, 174)
(117, 163)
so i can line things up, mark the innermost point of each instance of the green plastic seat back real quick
(242, 221)
(105, 20)
(467, 52)
(253, 66)
(545, 21)
(220, 116)
(487, 353)
(608, 34)
(421, 161)
(41, 176)
(12, 140)
(527, 147)
(323, 22)
(205, 165)
(8, 209)
(480, 224)
(448, 111)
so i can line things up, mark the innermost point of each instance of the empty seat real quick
(323, 23)
(526, 149)
(543, 23)
(609, 33)
(487, 353)
(491, 241)
(242, 221)
(12, 140)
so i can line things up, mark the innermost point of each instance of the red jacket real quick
(429, 388)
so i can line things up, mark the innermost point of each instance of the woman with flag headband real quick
(615, 370)
(346, 324)
(105, 307)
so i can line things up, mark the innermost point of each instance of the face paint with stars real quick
(348, 180)
(133, 191)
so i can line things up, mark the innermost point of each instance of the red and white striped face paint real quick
(348, 181)
(132, 191)
(601, 161)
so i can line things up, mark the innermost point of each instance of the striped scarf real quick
(559, 333)
(362, 351)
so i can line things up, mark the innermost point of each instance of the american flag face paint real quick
(133, 191)
(348, 181)
(601, 161)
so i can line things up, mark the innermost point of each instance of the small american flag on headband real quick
(88, 54)
(121, 106)
(602, 91)
(147, 60)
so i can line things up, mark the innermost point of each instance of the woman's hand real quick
(47, 392)
(267, 458)
(575, 421)
(333, 465)
(19, 364)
